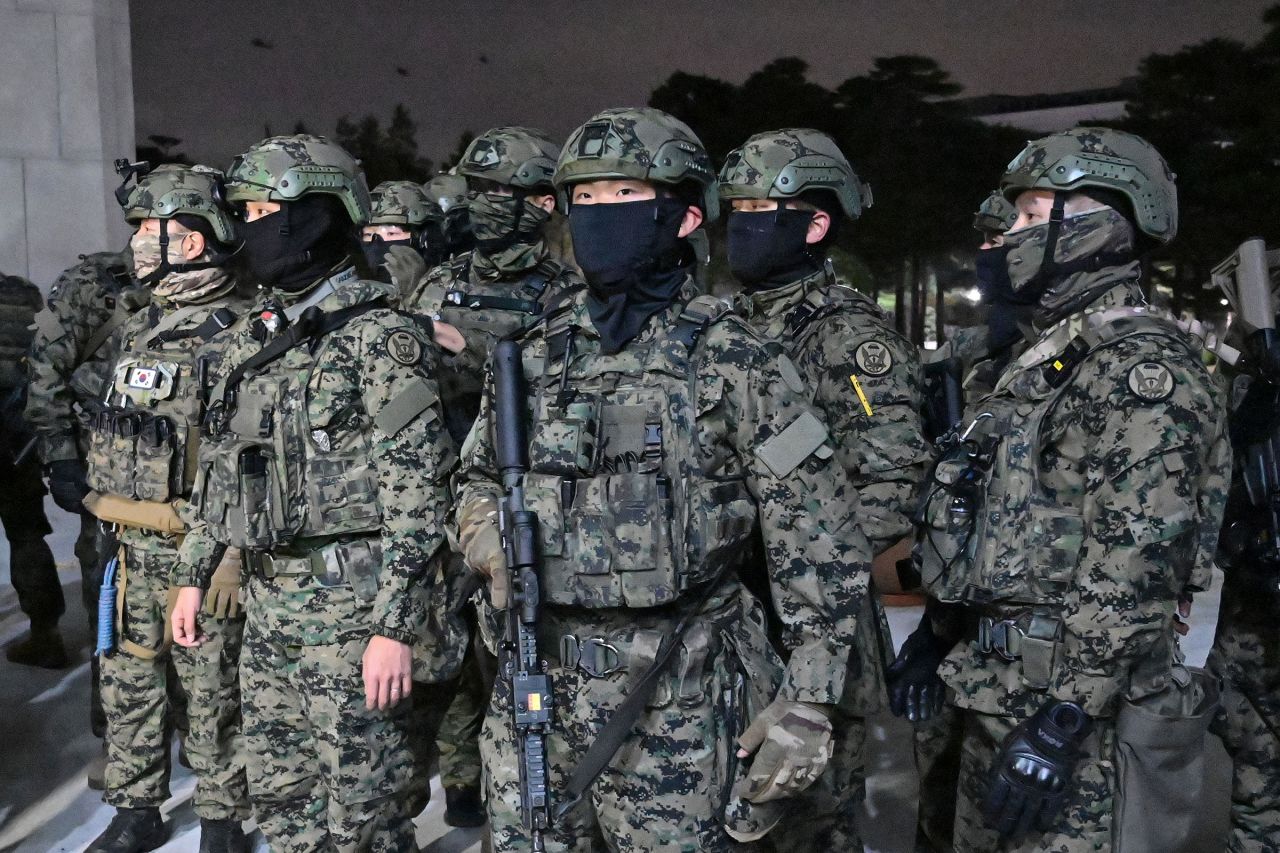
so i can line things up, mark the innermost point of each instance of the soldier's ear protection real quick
(127, 170)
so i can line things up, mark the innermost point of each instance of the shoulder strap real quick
(812, 308)
(103, 333)
(312, 325)
(698, 313)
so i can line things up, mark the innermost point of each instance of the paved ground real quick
(45, 744)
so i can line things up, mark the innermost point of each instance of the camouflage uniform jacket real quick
(484, 310)
(1102, 471)
(20, 301)
(351, 428)
(649, 468)
(865, 378)
(70, 355)
(182, 333)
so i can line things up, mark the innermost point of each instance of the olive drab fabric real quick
(1102, 158)
(1045, 547)
(782, 164)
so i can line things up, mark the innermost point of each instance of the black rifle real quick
(522, 666)
(944, 399)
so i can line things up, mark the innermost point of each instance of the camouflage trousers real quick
(459, 738)
(1085, 823)
(667, 786)
(1248, 661)
(937, 753)
(326, 775)
(135, 693)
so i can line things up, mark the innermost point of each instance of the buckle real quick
(999, 637)
(593, 656)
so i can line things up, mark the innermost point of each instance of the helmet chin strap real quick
(216, 259)
(1051, 270)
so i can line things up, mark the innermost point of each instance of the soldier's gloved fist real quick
(406, 266)
(67, 484)
(794, 743)
(1034, 771)
(915, 690)
(479, 537)
(222, 601)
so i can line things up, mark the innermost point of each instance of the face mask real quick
(1004, 306)
(183, 282)
(298, 245)
(499, 221)
(632, 259)
(375, 255)
(153, 263)
(767, 248)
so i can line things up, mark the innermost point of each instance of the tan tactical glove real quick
(794, 743)
(481, 544)
(222, 601)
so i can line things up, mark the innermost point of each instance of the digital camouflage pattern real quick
(403, 203)
(995, 215)
(171, 189)
(366, 397)
(639, 143)
(1104, 158)
(714, 461)
(69, 359)
(518, 157)
(285, 168)
(865, 380)
(786, 163)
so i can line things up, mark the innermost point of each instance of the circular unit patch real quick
(1151, 381)
(404, 348)
(873, 358)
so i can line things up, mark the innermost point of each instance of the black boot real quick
(132, 831)
(222, 836)
(42, 647)
(462, 807)
(96, 773)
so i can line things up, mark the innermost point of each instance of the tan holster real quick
(1161, 765)
(127, 512)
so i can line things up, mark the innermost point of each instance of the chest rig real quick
(268, 474)
(633, 510)
(499, 308)
(989, 529)
(143, 444)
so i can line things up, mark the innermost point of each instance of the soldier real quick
(325, 461)
(449, 191)
(789, 190)
(68, 363)
(663, 431)
(31, 566)
(1082, 501)
(141, 447)
(404, 237)
(1244, 654)
(502, 284)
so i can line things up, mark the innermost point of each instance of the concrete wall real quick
(66, 112)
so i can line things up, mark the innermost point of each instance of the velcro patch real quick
(400, 410)
(783, 453)
(873, 358)
(1151, 381)
(403, 347)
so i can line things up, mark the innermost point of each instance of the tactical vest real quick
(626, 514)
(142, 445)
(268, 477)
(19, 303)
(989, 532)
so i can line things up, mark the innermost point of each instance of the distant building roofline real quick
(990, 105)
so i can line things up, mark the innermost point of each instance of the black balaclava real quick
(633, 262)
(375, 254)
(767, 248)
(1005, 306)
(302, 243)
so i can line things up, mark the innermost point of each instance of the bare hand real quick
(448, 337)
(388, 672)
(1184, 612)
(186, 632)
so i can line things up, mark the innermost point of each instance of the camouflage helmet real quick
(995, 215)
(285, 168)
(638, 143)
(402, 203)
(169, 190)
(520, 157)
(1102, 158)
(446, 189)
(786, 163)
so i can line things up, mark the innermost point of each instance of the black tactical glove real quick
(1033, 772)
(915, 690)
(67, 484)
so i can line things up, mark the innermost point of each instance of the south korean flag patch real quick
(1151, 382)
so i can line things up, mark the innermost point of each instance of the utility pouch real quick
(147, 515)
(1162, 766)
(565, 444)
(359, 564)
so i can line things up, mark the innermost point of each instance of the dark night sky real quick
(551, 63)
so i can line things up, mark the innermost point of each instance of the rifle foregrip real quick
(509, 408)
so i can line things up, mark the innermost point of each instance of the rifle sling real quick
(618, 728)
